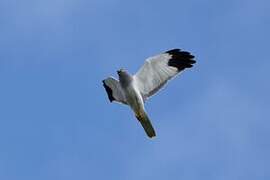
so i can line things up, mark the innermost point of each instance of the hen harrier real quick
(134, 90)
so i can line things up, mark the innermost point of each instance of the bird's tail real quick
(146, 124)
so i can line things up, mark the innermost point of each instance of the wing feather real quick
(157, 70)
(114, 90)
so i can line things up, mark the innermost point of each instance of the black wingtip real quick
(109, 91)
(180, 59)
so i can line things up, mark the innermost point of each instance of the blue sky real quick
(56, 122)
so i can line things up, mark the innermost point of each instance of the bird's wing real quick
(157, 70)
(114, 90)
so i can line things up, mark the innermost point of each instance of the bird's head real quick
(121, 71)
(124, 77)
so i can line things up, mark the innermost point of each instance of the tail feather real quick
(146, 124)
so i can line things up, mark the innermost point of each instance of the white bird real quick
(134, 90)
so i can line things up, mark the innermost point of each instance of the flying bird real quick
(134, 90)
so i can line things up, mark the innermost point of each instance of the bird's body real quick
(134, 99)
(131, 92)
(135, 90)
